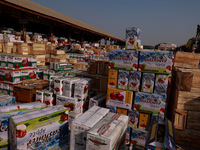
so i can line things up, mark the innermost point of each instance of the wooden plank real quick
(187, 61)
(189, 106)
(193, 120)
(182, 65)
(59, 52)
(188, 55)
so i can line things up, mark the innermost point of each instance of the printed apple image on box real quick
(133, 119)
(148, 82)
(123, 76)
(33, 61)
(39, 73)
(49, 98)
(11, 76)
(119, 98)
(134, 81)
(58, 85)
(41, 129)
(153, 103)
(133, 38)
(161, 84)
(39, 97)
(123, 59)
(138, 138)
(112, 78)
(51, 82)
(156, 61)
(4, 60)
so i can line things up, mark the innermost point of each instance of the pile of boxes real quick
(137, 87)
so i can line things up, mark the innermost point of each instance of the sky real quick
(161, 21)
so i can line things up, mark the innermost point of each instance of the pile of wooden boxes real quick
(184, 107)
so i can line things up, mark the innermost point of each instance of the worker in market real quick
(198, 31)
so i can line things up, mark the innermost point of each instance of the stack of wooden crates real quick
(184, 107)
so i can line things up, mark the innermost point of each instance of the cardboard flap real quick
(151, 137)
(169, 135)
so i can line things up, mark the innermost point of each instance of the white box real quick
(107, 133)
(68, 87)
(82, 124)
(58, 85)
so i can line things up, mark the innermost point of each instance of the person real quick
(198, 31)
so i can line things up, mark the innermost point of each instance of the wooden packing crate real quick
(59, 52)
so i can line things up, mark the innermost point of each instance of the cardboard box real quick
(134, 81)
(112, 108)
(161, 84)
(128, 136)
(123, 59)
(51, 82)
(62, 66)
(74, 105)
(108, 133)
(161, 135)
(122, 111)
(133, 38)
(69, 87)
(49, 98)
(6, 100)
(133, 119)
(82, 124)
(11, 76)
(148, 82)
(8, 111)
(144, 120)
(49, 124)
(98, 100)
(112, 78)
(103, 84)
(28, 74)
(123, 77)
(153, 103)
(39, 96)
(138, 139)
(119, 98)
(156, 61)
(4, 60)
(58, 85)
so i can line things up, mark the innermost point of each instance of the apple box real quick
(123, 59)
(134, 81)
(138, 139)
(148, 82)
(82, 124)
(128, 135)
(69, 86)
(156, 61)
(123, 77)
(58, 85)
(51, 82)
(41, 129)
(39, 73)
(119, 98)
(161, 84)
(133, 119)
(161, 136)
(133, 38)
(112, 78)
(28, 74)
(108, 133)
(4, 60)
(153, 103)
(39, 96)
(59, 66)
(49, 98)
(74, 105)
(7, 111)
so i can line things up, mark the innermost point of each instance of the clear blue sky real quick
(172, 21)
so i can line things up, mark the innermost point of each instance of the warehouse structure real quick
(30, 16)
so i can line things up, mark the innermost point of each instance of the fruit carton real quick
(133, 119)
(134, 81)
(4, 60)
(28, 74)
(74, 105)
(144, 119)
(112, 78)
(123, 59)
(123, 76)
(98, 100)
(138, 138)
(119, 98)
(58, 66)
(39, 73)
(122, 111)
(7, 111)
(33, 61)
(68, 86)
(81, 88)
(161, 84)
(18, 61)
(58, 85)
(49, 98)
(148, 82)
(43, 129)
(51, 82)
(153, 103)
(128, 135)
(6, 100)
(107, 133)
(133, 38)
(82, 124)
(156, 61)
(161, 135)
(39, 96)
(12, 77)
(11, 89)
(46, 74)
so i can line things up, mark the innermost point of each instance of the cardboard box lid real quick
(169, 137)
(110, 126)
(92, 116)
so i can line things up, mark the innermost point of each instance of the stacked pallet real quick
(8, 47)
(21, 48)
(39, 51)
(59, 56)
(185, 99)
